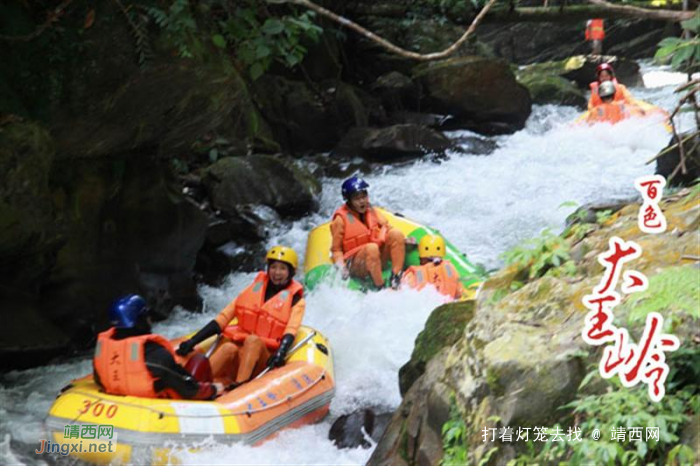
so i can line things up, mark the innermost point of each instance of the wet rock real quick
(580, 70)
(349, 430)
(429, 120)
(667, 163)
(444, 327)
(554, 90)
(475, 145)
(482, 94)
(235, 182)
(393, 142)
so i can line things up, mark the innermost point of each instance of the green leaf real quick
(568, 204)
(692, 24)
(219, 41)
(683, 54)
(213, 155)
(272, 26)
(262, 51)
(256, 70)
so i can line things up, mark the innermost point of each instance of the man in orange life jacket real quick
(611, 110)
(433, 269)
(269, 314)
(363, 240)
(595, 33)
(605, 72)
(130, 360)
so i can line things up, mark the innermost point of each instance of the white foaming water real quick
(483, 204)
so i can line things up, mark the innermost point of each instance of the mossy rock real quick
(444, 327)
(551, 89)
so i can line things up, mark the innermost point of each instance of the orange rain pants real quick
(238, 363)
(370, 259)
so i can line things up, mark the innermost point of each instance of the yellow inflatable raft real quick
(146, 430)
(319, 268)
(638, 109)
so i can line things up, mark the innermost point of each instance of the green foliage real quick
(603, 216)
(683, 54)
(260, 41)
(178, 23)
(540, 255)
(454, 438)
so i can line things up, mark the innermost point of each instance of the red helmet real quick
(605, 67)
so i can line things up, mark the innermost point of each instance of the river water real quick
(483, 204)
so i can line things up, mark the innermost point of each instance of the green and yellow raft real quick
(319, 267)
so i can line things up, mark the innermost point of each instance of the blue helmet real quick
(125, 311)
(352, 186)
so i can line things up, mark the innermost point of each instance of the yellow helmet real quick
(283, 254)
(431, 246)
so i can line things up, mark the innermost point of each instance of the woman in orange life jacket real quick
(269, 314)
(433, 269)
(363, 240)
(130, 360)
(611, 110)
(605, 72)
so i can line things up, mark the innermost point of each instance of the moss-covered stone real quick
(481, 93)
(443, 328)
(550, 89)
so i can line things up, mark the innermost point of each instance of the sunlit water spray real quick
(483, 204)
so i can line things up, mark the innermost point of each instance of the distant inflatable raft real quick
(616, 112)
(147, 430)
(319, 267)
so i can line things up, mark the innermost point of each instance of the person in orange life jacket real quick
(269, 314)
(130, 360)
(433, 269)
(363, 240)
(595, 33)
(605, 72)
(611, 110)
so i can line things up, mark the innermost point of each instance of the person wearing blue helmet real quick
(130, 360)
(363, 240)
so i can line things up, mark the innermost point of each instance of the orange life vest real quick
(614, 112)
(266, 319)
(356, 233)
(443, 276)
(121, 365)
(595, 29)
(595, 97)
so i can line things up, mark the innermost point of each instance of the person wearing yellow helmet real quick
(268, 312)
(433, 269)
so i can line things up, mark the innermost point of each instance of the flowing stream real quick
(483, 204)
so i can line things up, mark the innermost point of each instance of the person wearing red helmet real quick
(605, 72)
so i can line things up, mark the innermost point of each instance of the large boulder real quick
(79, 232)
(236, 182)
(308, 117)
(393, 142)
(552, 89)
(482, 94)
(521, 360)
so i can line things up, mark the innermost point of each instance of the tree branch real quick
(385, 43)
(504, 14)
(637, 12)
(51, 17)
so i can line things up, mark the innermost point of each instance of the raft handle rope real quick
(161, 414)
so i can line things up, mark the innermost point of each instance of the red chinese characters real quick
(631, 362)
(651, 220)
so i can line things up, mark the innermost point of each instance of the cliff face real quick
(521, 361)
